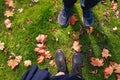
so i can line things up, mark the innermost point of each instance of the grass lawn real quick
(40, 13)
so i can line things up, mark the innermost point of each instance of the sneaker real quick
(61, 61)
(88, 18)
(63, 17)
(77, 65)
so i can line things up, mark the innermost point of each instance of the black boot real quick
(61, 61)
(77, 65)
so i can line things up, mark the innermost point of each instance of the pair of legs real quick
(86, 6)
(63, 73)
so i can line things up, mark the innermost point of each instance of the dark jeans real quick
(66, 77)
(85, 4)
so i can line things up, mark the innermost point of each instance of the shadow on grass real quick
(90, 43)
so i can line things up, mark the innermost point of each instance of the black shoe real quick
(61, 61)
(77, 65)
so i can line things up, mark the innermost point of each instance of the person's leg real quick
(61, 66)
(88, 18)
(77, 65)
(61, 61)
(65, 12)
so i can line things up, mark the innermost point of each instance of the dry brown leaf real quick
(40, 59)
(118, 76)
(106, 13)
(96, 61)
(76, 35)
(103, 2)
(20, 10)
(55, 3)
(48, 55)
(8, 13)
(28, 21)
(35, 1)
(52, 63)
(105, 53)
(41, 38)
(73, 19)
(108, 71)
(8, 23)
(12, 63)
(2, 45)
(41, 46)
(117, 14)
(117, 68)
(90, 30)
(114, 6)
(41, 52)
(9, 3)
(94, 71)
(27, 63)
(76, 46)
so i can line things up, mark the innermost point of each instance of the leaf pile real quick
(113, 66)
(41, 48)
(9, 13)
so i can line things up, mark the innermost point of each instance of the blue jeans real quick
(85, 4)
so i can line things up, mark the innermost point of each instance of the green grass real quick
(40, 13)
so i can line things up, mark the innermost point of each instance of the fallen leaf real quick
(27, 63)
(117, 68)
(12, 63)
(117, 14)
(96, 61)
(76, 36)
(20, 10)
(50, 20)
(53, 30)
(106, 13)
(76, 46)
(48, 55)
(115, 28)
(52, 63)
(73, 19)
(94, 71)
(2, 45)
(27, 39)
(41, 38)
(108, 71)
(40, 59)
(36, 49)
(105, 53)
(118, 76)
(8, 13)
(9, 3)
(103, 2)
(35, 1)
(41, 51)
(28, 21)
(41, 46)
(90, 30)
(8, 23)
(114, 6)
(55, 3)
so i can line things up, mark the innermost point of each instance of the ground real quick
(40, 13)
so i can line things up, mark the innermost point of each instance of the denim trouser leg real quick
(85, 4)
(69, 3)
